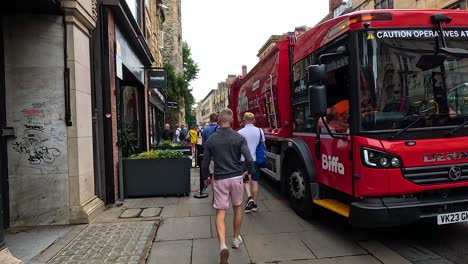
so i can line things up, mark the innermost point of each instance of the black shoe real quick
(254, 208)
(248, 207)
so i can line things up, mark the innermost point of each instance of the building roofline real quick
(208, 95)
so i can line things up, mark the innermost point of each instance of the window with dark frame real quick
(302, 121)
(383, 4)
(136, 8)
(337, 85)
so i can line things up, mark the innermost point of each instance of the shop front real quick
(156, 103)
(120, 60)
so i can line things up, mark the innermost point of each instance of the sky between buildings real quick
(225, 34)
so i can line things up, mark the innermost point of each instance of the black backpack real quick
(182, 135)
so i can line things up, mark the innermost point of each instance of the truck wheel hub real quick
(297, 185)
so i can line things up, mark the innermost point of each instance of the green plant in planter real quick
(169, 154)
(159, 154)
(152, 154)
(166, 144)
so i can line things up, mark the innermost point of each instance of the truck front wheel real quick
(298, 189)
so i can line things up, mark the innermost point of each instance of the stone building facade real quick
(47, 173)
(48, 105)
(154, 21)
(172, 50)
(269, 44)
(221, 94)
(205, 108)
(172, 28)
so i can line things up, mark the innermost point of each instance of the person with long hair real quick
(193, 134)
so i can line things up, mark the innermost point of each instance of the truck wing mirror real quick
(317, 72)
(318, 100)
(428, 62)
(455, 52)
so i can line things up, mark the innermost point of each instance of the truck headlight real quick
(379, 159)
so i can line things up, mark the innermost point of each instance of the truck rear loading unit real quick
(365, 115)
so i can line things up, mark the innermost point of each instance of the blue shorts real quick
(255, 173)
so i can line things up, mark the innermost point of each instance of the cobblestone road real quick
(109, 243)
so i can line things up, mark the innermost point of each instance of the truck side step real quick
(334, 205)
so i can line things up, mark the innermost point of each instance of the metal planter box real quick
(143, 178)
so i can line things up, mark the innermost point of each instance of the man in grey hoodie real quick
(226, 146)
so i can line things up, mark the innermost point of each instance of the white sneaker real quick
(236, 242)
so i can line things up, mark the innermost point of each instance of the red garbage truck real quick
(365, 115)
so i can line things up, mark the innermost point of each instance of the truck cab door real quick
(335, 165)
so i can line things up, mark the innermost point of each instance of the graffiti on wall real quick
(34, 147)
(35, 143)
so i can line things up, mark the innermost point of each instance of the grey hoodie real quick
(226, 146)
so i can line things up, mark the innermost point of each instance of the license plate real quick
(451, 218)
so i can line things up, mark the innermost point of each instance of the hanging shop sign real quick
(171, 104)
(157, 82)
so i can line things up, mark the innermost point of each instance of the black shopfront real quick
(156, 103)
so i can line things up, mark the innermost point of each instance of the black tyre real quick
(298, 189)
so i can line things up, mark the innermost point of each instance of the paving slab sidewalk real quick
(275, 234)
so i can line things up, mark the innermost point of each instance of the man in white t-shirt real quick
(253, 135)
(177, 134)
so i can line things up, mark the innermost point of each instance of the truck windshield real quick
(402, 77)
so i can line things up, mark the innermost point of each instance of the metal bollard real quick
(199, 157)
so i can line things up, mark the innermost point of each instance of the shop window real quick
(131, 118)
(383, 4)
(135, 8)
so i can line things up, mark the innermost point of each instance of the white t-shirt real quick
(252, 135)
(177, 132)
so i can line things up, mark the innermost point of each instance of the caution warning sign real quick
(418, 33)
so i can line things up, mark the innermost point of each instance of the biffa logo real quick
(332, 164)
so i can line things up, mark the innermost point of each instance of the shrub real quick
(169, 154)
(159, 154)
(166, 143)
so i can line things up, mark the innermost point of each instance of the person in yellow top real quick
(193, 138)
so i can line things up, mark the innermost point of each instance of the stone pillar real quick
(80, 17)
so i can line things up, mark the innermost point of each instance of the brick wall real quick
(112, 73)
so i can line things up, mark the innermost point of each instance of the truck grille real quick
(435, 174)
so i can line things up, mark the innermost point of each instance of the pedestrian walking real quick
(179, 136)
(207, 132)
(184, 129)
(167, 133)
(193, 135)
(226, 147)
(254, 136)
